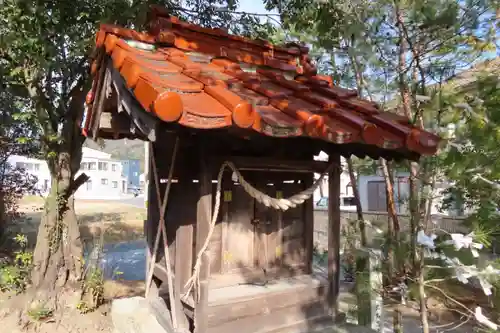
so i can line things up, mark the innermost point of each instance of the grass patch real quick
(32, 200)
(40, 313)
(120, 222)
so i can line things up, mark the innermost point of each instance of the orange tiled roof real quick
(205, 78)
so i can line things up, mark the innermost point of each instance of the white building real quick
(35, 167)
(106, 178)
(346, 193)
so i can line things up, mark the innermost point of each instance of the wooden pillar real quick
(334, 234)
(203, 218)
(183, 256)
(151, 223)
(147, 173)
(309, 224)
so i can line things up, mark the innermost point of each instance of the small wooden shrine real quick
(205, 99)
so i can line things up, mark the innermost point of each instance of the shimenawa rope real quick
(266, 200)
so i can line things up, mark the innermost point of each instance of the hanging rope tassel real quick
(261, 197)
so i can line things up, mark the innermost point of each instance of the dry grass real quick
(121, 222)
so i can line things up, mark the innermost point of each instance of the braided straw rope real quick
(266, 200)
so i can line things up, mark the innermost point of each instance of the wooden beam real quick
(99, 102)
(203, 218)
(274, 164)
(334, 235)
(97, 95)
(116, 122)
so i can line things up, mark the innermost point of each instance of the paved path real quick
(134, 201)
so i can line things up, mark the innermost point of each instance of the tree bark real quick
(2, 213)
(58, 252)
(417, 259)
(393, 241)
(359, 209)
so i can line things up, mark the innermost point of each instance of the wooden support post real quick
(334, 234)
(227, 187)
(151, 223)
(183, 257)
(203, 217)
(309, 225)
(147, 173)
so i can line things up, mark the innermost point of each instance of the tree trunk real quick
(416, 204)
(3, 213)
(58, 253)
(423, 307)
(393, 226)
(393, 254)
(359, 209)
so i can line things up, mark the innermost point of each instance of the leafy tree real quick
(394, 50)
(14, 182)
(44, 51)
(471, 161)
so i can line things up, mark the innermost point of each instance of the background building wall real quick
(37, 168)
(132, 171)
(106, 175)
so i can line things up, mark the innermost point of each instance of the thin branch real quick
(241, 13)
(452, 300)
(183, 9)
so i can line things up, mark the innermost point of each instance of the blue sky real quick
(253, 6)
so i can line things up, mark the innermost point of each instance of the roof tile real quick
(267, 88)
(247, 94)
(154, 98)
(272, 122)
(242, 110)
(318, 99)
(280, 79)
(207, 78)
(339, 132)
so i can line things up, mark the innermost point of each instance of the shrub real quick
(14, 275)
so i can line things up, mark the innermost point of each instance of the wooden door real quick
(259, 243)
(266, 241)
(294, 258)
(238, 230)
(249, 232)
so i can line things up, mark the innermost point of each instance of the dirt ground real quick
(120, 223)
(69, 319)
